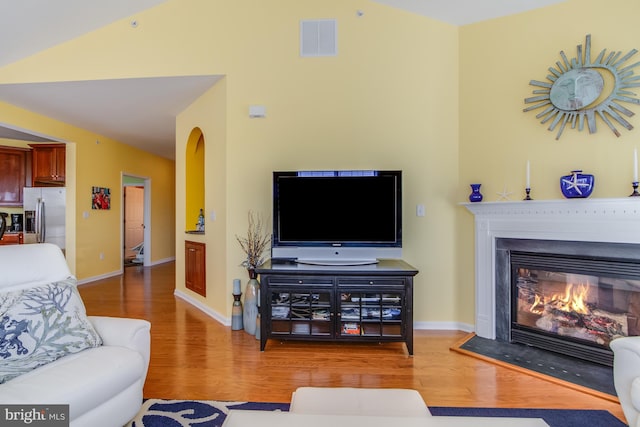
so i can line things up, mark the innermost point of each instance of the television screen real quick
(337, 209)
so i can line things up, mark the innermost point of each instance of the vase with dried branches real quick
(254, 245)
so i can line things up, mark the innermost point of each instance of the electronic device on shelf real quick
(337, 218)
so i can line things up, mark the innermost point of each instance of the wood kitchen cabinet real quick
(13, 164)
(194, 266)
(48, 163)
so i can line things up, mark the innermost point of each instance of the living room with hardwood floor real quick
(193, 356)
(441, 102)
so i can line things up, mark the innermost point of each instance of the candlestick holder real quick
(236, 313)
(635, 189)
(528, 191)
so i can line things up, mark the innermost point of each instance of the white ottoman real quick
(389, 402)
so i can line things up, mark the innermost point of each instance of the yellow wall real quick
(209, 114)
(388, 100)
(101, 163)
(497, 137)
(442, 103)
(94, 160)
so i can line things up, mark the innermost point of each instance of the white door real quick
(133, 219)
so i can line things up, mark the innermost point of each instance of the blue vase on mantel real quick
(475, 195)
(576, 185)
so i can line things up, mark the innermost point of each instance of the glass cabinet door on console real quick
(301, 313)
(300, 307)
(371, 314)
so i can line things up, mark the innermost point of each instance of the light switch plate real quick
(256, 111)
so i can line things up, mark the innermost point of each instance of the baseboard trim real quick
(121, 271)
(205, 309)
(100, 277)
(443, 326)
(162, 261)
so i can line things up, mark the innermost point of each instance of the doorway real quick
(135, 215)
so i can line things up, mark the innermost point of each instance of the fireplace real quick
(536, 259)
(574, 304)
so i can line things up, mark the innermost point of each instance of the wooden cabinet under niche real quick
(328, 303)
(195, 261)
(48, 162)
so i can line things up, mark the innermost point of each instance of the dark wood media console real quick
(337, 303)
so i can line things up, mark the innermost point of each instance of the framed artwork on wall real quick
(100, 198)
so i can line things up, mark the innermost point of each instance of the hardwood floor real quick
(195, 357)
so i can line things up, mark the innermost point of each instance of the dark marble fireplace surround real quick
(587, 251)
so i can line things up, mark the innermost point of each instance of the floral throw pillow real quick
(41, 324)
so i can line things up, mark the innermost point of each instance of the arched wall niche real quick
(194, 178)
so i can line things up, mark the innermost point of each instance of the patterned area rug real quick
(193, 413)
(212, 413)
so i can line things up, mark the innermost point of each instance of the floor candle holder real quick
(236, 313)
(635, 190)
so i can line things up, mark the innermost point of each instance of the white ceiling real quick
(141, 112)
(463, 12)
(138, 112)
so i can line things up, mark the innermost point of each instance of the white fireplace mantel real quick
(588, 220)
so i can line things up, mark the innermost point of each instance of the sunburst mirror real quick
(580, 89)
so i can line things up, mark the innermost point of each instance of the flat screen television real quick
(337, 217)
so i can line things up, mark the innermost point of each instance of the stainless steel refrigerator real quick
(44, 215)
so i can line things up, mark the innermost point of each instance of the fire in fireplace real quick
(574, 305)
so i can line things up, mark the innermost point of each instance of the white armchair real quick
(626, 376)
(102, 383)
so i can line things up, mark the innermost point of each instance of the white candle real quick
(528, 175)
(236, 286)
(635, 165)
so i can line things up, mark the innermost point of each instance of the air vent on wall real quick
(318, 37)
